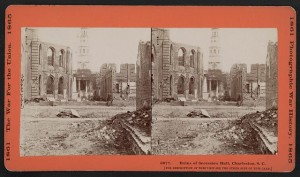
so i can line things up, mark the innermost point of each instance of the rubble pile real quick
(140, 119)
(68, 114)
(266, 120)
(241, 133)
(202, 113)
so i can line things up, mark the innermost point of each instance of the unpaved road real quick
(193, 136)
(42, 133)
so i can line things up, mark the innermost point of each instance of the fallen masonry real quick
(257, 131)
(68, 113)
(136, 128)
(201, 113)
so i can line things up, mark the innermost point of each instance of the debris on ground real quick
(75, 113)
(68, 114)
(37, 100)
(241, 133)
(168, 100)
(201, 113)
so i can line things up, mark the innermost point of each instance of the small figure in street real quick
(239, 100)
(109, 99)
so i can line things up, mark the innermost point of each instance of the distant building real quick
(215, 78)
(122, 84)
(256, 81)
(46, 68)
(85, 85)
(247, 84)
(238, 77)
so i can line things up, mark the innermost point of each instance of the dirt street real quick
(43, 133)
(173, 132)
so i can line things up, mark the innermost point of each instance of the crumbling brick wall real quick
(167, 67)
(143, 76)
(36, 69)
(272, 76)
(106, 87)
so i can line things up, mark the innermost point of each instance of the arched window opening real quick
(50, 85)
(40, 54)
(181, 54)
(40, 85)
(153, 54)
(171, 85)
(192, 59)
(191, 86)
(180, 85)
(61, 85)
(171, 54)
(50, 56)
(61, 58)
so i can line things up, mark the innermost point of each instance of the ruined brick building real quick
(46, 68)
(238, 80)
(256, 81)
(177, 69)
(143, 75)
(272, 75)
(247, 84)
(118, 84)
(126, 80)
(107, 79)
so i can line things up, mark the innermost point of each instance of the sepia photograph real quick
(214, 91)
(85, 91)
(140, 88)
(160, 91)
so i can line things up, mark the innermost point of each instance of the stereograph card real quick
(150, 88)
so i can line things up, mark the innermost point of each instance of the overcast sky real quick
(120, 45)
(106, 45)
(238, 45)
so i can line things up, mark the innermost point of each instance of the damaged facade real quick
(118, 84)
(256, 81)
(272, 76)
(126, 80)
(143, 76)
(245, 84)
(177, 69)
(46, 68)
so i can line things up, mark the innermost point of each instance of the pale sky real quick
(106, 45)
(238, 45)
(120, 45)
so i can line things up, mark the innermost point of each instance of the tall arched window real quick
(50, 85)
(171, 54)
(181, 54)
(153, 54)
(67, 61)
(61, 85)
(61, 58)
(50, 56)
(171, 85)
(191, 86)
(192, 58)
(180, 85)
(40, 54)
(40, 85)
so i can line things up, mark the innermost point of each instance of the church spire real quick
(83, 49)
(214, 62)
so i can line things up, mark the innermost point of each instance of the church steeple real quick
(214, 62)
(83, 49)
